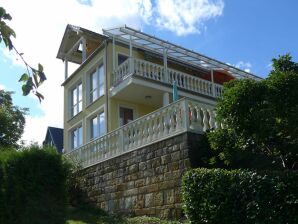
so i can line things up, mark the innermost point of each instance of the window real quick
(96, 83)
(97, 125)
(76, 137)
(76, 100)
(121, 58)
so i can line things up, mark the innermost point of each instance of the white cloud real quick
(246, 66)
(3, 87)
(186, 16)
(39, 26)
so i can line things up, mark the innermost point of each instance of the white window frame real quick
(100, 110)
(79, 101)
(76, 128)
(100, 82)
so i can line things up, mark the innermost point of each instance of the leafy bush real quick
(260, 119)
(34, 187)
(240, 196)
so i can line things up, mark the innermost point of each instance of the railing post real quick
(131, 66)
(165, 66)
(120, 141)
(212, 80)
(185, 114)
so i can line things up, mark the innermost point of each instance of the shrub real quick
(34, 187)
(240, 196)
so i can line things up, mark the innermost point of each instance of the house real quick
(120, 96)
(54, 138)
(121, 124)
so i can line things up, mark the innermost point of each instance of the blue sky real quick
(247, 34)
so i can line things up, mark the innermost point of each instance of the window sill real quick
(73, 117)
(93, 102)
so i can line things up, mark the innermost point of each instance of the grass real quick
(89, 215)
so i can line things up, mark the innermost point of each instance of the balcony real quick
(133, 67)
(182, 116)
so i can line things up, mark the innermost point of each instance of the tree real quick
(260, 120)
(33, 78)
(12, 121)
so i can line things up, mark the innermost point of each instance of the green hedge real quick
(240, 196)
(34, 187)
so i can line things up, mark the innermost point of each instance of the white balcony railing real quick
(138, 67)
(173, 119)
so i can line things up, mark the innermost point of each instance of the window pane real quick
(74, 110)
(93, 80)
(101, 123)
(101, 80)
(74, 96)
(80, 136)
(80, 92)
(74, 139)
(80, 106)
(94, 127)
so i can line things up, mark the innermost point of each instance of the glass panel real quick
(94, 127)
(80, 136)
(101, 124)
(74, 97)
(101, 80)
(74, 110)
(74, 139)
(80, 92)
(80, 107)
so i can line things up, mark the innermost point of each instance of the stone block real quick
(140, 183)
(158, 198)
(142, 166)
(175, 156)
(149, 200)
(169, 196)
(165, 159)
(152, 188)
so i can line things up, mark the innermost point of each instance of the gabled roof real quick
(73, 34)
(56, 136)
(139, 39)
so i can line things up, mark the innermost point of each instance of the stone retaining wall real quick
(146, 181)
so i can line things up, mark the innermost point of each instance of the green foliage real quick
(12, 121)
(149, 220)
(29, 84)
(260, 120)
(89, 215)
(240, 196)
(34, 186)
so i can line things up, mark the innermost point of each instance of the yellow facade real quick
(139, 94)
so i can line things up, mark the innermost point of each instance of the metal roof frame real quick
(139, 39)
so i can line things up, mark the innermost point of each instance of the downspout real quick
(107, 88)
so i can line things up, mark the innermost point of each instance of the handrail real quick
(153, 71)
(173, 119)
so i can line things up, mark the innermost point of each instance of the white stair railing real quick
(176, 118)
